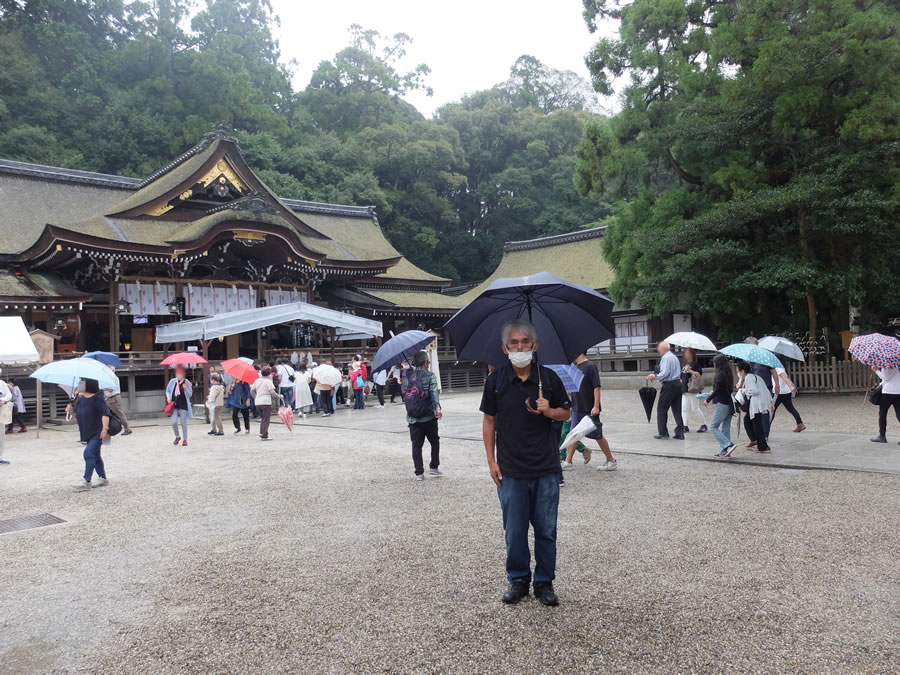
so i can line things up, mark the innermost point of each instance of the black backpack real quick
(417, 393)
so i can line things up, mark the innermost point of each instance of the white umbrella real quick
(783, 346)
(689, 339)
(327, 375)
(581, 430)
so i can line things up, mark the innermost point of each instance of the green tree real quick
(754, 160)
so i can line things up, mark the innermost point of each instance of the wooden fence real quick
(833, 376)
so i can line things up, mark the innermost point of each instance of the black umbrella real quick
(648, 396)
(569, 318)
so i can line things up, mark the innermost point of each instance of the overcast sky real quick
(468, 44)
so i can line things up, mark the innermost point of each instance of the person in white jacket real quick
(890, 398)
(6, 405)
(756, 421)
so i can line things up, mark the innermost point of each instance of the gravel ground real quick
(317, 552)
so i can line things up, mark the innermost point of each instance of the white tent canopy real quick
(16, 345)
(241, 321)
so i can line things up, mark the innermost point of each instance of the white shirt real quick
(380, 377)
(890, 378)
(285, 372)
(113, 391)
(780, 374)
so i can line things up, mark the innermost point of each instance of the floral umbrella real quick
(881, 351)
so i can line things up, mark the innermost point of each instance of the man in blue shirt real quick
(669, 375)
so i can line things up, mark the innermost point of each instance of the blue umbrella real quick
(569, 318)
(401, 347)
(753, 354)
(106, 358)
(570, 374)
(71, 371)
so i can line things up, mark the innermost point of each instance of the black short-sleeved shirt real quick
(89, 411)
(526, 444)
(583, 401)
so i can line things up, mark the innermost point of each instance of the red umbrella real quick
(182, 359)
(241, 370)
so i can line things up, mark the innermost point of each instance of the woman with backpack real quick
(720, 397)
(358, 382)
(691, 385)
(423, 410)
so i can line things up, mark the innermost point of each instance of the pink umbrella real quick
(287, 416)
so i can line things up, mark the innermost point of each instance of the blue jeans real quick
(288, 394)
(92, 460)
(358, 398)
(720, 426)
(534, 501)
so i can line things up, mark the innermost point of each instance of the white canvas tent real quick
(232, 323)
(16, 348)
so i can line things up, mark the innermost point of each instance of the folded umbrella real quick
(881, 351)
(71, 371)
(401, 347)
(779, 345)
(648, 396)
(241, 370)
(106, 358)
(569, 318)
(570, 374)
(691, 340)
(182, 359)
(287, 416)
(581, 430)
(752, 353)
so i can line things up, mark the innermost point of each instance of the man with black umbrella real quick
(669, 375)
(520, 403)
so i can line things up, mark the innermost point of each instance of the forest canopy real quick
(123, 86)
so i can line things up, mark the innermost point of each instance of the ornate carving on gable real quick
(219, 182)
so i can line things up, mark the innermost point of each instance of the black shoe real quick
(516, 591)
(210, 433)
(678, 437)
(878, 439)
(545, 594)
(126, 432)
(702, 429)
(661, 437)
(686, 430)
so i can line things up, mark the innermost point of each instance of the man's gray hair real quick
(522, 325)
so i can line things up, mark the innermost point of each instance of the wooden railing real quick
(833, 375)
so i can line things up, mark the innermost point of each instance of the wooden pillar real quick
(132, 393)
(205, 345)
(333, 345)
(113, 317)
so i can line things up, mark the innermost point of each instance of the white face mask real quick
(520, 359)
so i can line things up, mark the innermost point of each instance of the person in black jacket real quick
(720, 425)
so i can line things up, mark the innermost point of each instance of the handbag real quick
(875, 394)
(170, 408)
(695, 385)
(360, 383)
(115, 424)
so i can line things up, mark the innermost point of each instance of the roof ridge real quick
(219, 133)
(67, 175)
(324, 207)
(555, 239)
